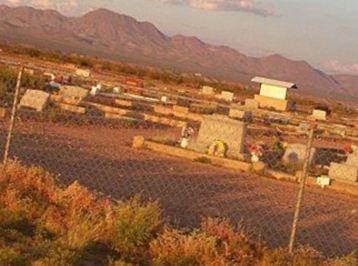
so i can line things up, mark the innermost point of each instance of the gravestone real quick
(35, 99)
(303, 127)
(343, 172)
(295, 154)
(251, 104)
(180, 109)
(206, 90)
(73, 92)
(222, 128)
(240, 114)
(352, 159)
(347, 171)
(339, 130)
(227, 96)
(319, 114)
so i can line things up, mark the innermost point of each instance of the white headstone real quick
(35, 99)
(323, 181)
(164, 99)
(207, 90)
(73, 92)
(116, 90)
(227, 96)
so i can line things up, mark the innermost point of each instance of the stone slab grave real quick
(203, 108)
(339, 130)
(240, 114)
(251, 104)
(352, 159)
(319, 114)
(227, 96)
(303, 127)
(222, 128)
(295, 154)
(343, 172)
(35, 99)
(180, 109)
(73, 92)
(206, 90)
(347, 171)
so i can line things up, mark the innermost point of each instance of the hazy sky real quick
(322, 32)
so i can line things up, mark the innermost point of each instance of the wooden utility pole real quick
(13, 115)
(306, 167)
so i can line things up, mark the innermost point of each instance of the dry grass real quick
(42, 224)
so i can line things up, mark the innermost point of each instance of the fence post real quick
(13, 116)
(301, 190)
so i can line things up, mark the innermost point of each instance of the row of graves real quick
(240, 136)
(278, 144)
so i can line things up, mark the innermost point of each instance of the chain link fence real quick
(247, 168)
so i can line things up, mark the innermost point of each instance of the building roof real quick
(279, 83)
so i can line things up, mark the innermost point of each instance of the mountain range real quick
(111, 35)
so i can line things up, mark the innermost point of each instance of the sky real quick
(322, 32)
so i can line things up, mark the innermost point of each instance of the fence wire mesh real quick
(195, 165)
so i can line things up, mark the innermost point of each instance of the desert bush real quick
(43, 224)
(175, 248)
(9, 256)
(303, 256)
(58, 255)
(233, 244)
(26, 191)
(78, 218)
(349, 260)
(132, 226)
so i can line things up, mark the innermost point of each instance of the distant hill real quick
(111, 35)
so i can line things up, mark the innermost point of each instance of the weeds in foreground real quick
(43, 224)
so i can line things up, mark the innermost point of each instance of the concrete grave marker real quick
(319, 114)
(295, 154)
(343, 172)
(35, 99)
(227, 96)
(240, 114)
(221, 128)
(180, 109)
(352, 159)
(206, 90)
(251, 104)
(73, 92)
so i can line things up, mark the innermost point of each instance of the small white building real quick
(273, 93)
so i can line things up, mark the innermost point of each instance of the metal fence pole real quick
(301, 190)
(13, 116)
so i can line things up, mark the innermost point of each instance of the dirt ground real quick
(99, 156)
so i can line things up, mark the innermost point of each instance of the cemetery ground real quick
(89, 139)
(101, 158)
